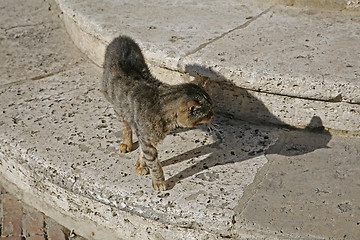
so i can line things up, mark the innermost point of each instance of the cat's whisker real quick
(213, 129)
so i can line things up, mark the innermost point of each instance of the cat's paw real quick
(160, 185)
(124, 148)
(142, 170)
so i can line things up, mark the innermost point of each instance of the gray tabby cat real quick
(148, 107)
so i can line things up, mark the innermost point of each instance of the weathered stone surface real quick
(166, 31)
(33, 26)
(307, 193)
(287, 52)
(69, 135)
(59, 148)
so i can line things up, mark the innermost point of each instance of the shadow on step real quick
(237, 103)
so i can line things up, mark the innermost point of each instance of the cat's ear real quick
(201, 80)
(192, 106)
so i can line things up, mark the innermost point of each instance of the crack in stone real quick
(251, 190)
(39, 77)
(242, 26)
(337, 99)
(22, 26)
(47, 75)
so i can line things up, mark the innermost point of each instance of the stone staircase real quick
(284, 80)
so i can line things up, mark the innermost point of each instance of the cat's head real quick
(195, 106)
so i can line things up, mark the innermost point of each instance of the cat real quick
(147, 106)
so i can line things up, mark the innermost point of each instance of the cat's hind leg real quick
(127, 144)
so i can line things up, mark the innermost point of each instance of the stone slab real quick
(166, 31)
(51, 124)
(290, 52)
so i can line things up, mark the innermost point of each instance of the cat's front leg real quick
(141, 167)
(157, 175)
(149, 159)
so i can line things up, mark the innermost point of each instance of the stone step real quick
(278, 64)
(62, 141)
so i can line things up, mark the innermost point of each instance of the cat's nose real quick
(211, 113)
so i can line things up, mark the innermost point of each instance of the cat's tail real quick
(124, 55)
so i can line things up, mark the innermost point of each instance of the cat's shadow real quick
(290, 141)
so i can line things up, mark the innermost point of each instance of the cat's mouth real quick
(189, 122)
(207, 118)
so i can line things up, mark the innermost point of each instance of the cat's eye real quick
(194, 108)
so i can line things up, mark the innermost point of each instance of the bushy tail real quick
(124, 55)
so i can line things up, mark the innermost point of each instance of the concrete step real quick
(279, 64)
